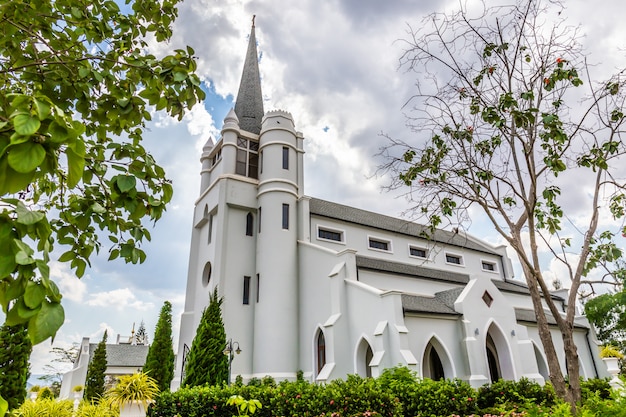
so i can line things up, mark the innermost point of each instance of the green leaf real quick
(67, 256)
(26, 216)
(53, 292)
(34, 294)
(46, 322)
(26, 157)
(43, 109)
(4, 406)
(25, 124)
(75, 163)
(126, 183)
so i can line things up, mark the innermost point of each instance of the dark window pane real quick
(420, 253)
(249, 224)
(285, 216)
(452, 259)
(329, 234)
(488, 266)
(242, 143)
(253, 166)
(254, 146)
(240, 167)
(379, 244)
(285, 157)
(246, 290)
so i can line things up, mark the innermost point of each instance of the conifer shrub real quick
(94, 384)
(160, 359)
(15, 349)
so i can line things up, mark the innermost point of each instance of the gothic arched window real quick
(321, 351)
(249, 224)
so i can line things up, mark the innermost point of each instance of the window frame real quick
(246, 290)
(285, 216)
(286, 157)
(245, 155)
(422, 248)
(377, 239)
(340, 232)
(249, 224)
(454, 255)
(494, 264)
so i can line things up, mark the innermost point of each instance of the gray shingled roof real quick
(392, 224)
(528, 316)
(249, 104)
(123, 355)
(420, 304)
(382, 265)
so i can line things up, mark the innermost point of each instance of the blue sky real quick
(334, 66)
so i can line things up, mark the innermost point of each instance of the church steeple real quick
(249, 104)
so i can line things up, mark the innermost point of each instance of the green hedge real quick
(397, 392)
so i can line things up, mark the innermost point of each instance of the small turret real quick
(205, 174)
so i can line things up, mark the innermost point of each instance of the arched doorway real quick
(436, 363)
(364, 356)
(498, 355)
(542, 366)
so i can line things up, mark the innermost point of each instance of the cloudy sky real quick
(334, 65)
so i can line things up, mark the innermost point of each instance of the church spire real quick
(249, 104)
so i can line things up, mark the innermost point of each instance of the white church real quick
(330, 290)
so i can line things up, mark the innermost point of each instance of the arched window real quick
(321, 351)
(206, 274)
(249, 224)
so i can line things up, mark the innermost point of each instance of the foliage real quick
(48, 407)
(515, 394)
(206, 362)
(160, 360)
(14, 368)
(45, 393)
(610, 351)
(138, 387)
(509, 134)
(141, 337)
(77, 85)
(100, 409)
(94, 383)
(244, 406)
(596, 386)
(607, 313)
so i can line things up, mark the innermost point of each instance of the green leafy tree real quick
(77, 84)
(15, 349)
(160, 360)
(206, 362)
(511, 123)
(94, 383)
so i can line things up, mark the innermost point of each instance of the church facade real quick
(330, 290)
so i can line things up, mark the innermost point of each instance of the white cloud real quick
(71, 287)
(120, 299)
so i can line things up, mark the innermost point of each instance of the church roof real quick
(522, 314)
(125, 355)
(392, 224)
(421, 304)
(382, 265)
(249, 104)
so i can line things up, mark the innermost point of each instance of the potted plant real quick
(34, 391)
(611, 356)
(78, 391)
(132, 394)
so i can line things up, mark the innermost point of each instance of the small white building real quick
(332, 290)
(125, 357)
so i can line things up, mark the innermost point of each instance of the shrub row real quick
(396, 393)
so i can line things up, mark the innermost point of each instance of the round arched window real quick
(206, 274)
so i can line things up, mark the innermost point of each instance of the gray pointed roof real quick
(249, 104)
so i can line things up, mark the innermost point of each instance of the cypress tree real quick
(160, 360)
(94, 384)
(15, 349)
(141, 336)
(206, 362)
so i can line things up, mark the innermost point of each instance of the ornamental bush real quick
(514, 394)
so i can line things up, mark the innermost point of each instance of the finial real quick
(253, 17)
